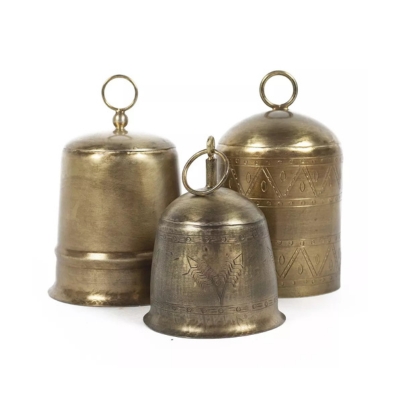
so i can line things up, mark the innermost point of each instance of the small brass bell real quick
(290, 167)
(213, 271)
(114, 187)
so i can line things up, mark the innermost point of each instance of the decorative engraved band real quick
(235, 234)
(309, 282)
(272, 183)
(306, 262)
(260, 162)
(96, 260)
(307, 242)
(305, 202)
(217, 310)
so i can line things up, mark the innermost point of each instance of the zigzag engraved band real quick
(307, 262)
(271, 183)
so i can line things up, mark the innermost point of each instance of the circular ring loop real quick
(217, 186)
(116, 108)
(274, 106)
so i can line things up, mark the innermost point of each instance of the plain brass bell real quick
(213, 271)
(114, 187)
(290, 167)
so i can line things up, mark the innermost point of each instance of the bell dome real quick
(280, 129)
(127, 142)
(222, 207)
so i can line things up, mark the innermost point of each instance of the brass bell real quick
(290, 167)
(213, 271)
(114, 187)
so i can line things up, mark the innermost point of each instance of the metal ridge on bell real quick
(114, 187)
(290, 166)
(213, 273)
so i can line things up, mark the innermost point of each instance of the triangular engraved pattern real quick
(246, 177)
(204, 275)
(299, 257)
(303, 180)
(300, 268)
(282, 177)
(300, 183)
(330, 180)
(286, 269)
(331, 255)
(254, 181)
(233, 181)
(272, 182)
(331, 262)
(338, 176)
(263, 177)
(309, 262)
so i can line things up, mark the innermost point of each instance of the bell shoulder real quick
(281, 131)
(129, 142)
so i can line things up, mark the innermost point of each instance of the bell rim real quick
(322, 290)
(54, 293)
(175, 332)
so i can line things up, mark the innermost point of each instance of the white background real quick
(198, 66)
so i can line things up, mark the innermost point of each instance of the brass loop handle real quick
(116, 108)
(189, 163)
(264, 98)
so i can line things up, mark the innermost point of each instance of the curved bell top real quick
(222, 207)
(120, 140)
(280, 132)
(132, 142)
(277, 129)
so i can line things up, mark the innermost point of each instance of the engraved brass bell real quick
(114, 187)
(213, 271)
(290, 167)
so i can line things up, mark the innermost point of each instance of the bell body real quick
(213, 272)
(113, 191)
(290, 167)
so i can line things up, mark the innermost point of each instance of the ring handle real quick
(189, 163)
(116, 108)
(283, 106)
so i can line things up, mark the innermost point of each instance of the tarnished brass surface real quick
(213, 272)
(114, 187)
(290, 167)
